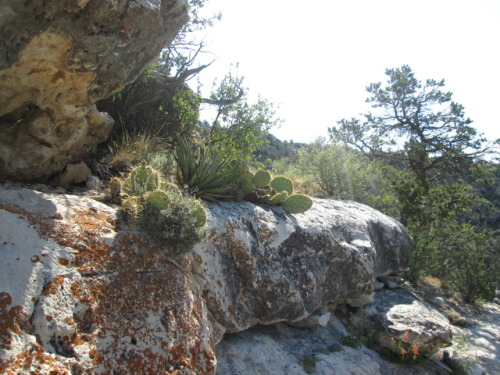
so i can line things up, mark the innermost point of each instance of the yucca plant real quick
(203, 172)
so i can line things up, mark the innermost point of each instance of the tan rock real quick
(56, 61)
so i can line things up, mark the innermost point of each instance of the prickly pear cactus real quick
(262, 178)
(281, 184)
(142, 179)
(276, 199)
(297, 203)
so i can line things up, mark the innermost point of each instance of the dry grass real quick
(431, 281)
(132, 149)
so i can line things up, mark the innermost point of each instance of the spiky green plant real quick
(132, 207)
(142, 179)
(205, 173)
(174, 220)
(297, 203)
(262, 178)
(281, 184)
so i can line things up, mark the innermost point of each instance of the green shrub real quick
(461, 256)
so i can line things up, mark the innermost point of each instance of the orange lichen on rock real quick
(37, 361)
(10, 320)
(64, 261)
(52, 286)
(148, 319)
(135, 308)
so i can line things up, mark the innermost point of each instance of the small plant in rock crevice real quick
(357, 333)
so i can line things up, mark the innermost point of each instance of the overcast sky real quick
(315, 58)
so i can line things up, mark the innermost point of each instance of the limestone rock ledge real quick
(80, 293)
(57, 58)
(78, 296)
(262, 265)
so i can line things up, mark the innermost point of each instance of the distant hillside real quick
(275, 149)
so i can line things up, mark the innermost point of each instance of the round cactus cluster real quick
(159, 209)
(142, 179)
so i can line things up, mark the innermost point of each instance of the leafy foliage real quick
(343, 173)
(415, 127)
(428, 143)
(239, 128)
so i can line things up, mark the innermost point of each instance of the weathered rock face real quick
(283, 350)
(56, 59)
(403, 322)
(81, 295)
(264, 266)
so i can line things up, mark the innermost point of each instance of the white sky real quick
(314, 58)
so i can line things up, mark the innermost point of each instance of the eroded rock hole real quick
(62, 346)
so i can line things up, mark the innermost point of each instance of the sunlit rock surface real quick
(81, 293)
(78, 296)
(402, 320)
(263, 265)
(57, 58)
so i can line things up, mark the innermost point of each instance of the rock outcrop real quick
(57, 59)
(77, 296)
(263, 266)
(79, 293)
(403, 322)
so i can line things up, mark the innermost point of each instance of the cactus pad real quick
(281, 184)
(297, 203)
(262, 178)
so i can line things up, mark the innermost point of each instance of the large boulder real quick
(81, 293)
(57, 58)
(262, 265)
